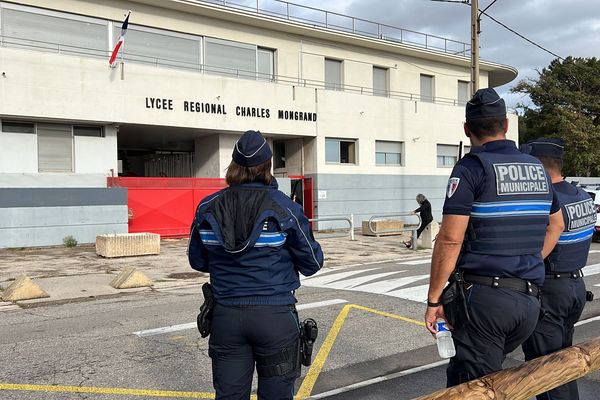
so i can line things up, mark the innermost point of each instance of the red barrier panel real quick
(165, 205)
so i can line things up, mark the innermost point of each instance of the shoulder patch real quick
(452, 186)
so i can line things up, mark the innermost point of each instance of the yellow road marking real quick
(304, 391)
(310, 379)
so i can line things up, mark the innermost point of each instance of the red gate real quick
(165, 205)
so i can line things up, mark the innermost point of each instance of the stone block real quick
(127, 245)
(130, 278)
(382, 226)
(23, 288)
(429, 234)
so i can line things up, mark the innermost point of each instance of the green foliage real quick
(567, 105)
(69, 241)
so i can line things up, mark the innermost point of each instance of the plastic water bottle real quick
(445, 344)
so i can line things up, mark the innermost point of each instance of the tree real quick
(566, 96)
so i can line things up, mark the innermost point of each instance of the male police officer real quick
(563, 294)
(499, 205)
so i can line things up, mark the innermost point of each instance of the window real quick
(18, 127)
(159, 47)
(340, 151)
(427, 89)
(224, 57)
(447, 155)
(265, 64)
(463, 92)
(278, 155)
(93, 131)
(388, 153)
(333, 74)
(466, 149)
(23, 26)
(55, 148)
(380, 81)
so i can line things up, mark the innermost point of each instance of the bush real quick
(69, 241)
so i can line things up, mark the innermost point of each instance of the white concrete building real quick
(371, 113)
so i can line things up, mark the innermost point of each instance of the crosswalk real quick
(401, 283)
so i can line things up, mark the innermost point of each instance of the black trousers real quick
(563, 301)
(501, 319)
(240, 334)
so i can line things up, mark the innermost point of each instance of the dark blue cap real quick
(251, 149)
(545, 147)
(485, 103)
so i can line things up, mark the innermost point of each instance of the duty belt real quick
(516, 284)
(573, 275)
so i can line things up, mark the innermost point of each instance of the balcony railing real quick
(58, 48)
(315, 17)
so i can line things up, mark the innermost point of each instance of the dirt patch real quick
(186, 275)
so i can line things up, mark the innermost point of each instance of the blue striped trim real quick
(271, 239)
(576, 236)
(266, 239)
(510, 208)
(209, 238)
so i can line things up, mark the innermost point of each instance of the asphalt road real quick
(111, 348)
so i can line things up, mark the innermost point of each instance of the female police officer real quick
(253, 240)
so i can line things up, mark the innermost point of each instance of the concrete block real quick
(23, 288)
(429, 234)
(128, 244)
(383, 225)
(130, 278)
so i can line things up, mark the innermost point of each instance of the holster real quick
(308, 334)
(454, 300)
(206, 309)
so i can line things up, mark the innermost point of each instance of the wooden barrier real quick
(529, 379)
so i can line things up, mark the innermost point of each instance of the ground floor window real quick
(388, 153)
(341, 151)
(447, 155)
(55, 148)
(278, 155)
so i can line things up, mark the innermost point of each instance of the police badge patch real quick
(452, 186)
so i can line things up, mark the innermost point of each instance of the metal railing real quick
(349, 219)
(413, 228)
(58, 48)
(319, 18)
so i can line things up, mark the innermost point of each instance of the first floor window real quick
(333, 74)
(278, 155)
(427, 89)
(447, 155)
(341, 151)
(388, 153)
(463, 92)
(55, 148)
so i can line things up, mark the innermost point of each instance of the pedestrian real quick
(424, 211)
(564, 292)
(499, 204)
(254, 241)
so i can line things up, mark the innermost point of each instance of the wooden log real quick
(529, 379)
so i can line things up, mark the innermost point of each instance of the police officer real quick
(563, 294)
(254, 241)
(499, 205)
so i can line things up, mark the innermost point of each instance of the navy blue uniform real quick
(564, 293)
(508, 197)
(254, 241)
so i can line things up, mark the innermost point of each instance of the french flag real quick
(115, 51)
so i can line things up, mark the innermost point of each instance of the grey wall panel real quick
(61, 197)
(30, 217)
(368, 195)
(285, 185)
(50, 236)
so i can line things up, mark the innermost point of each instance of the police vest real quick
(571, 251)
(511, 212)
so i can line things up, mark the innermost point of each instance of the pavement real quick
(71, 274)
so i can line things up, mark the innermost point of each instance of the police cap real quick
(485, 103)
(251, 149)
(546, 147)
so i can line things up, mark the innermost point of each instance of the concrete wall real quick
(44, 216)
(368, 195)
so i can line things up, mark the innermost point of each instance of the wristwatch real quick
(432, 304)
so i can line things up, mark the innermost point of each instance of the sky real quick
(565, 27)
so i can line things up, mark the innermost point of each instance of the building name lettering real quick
(157, 103)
